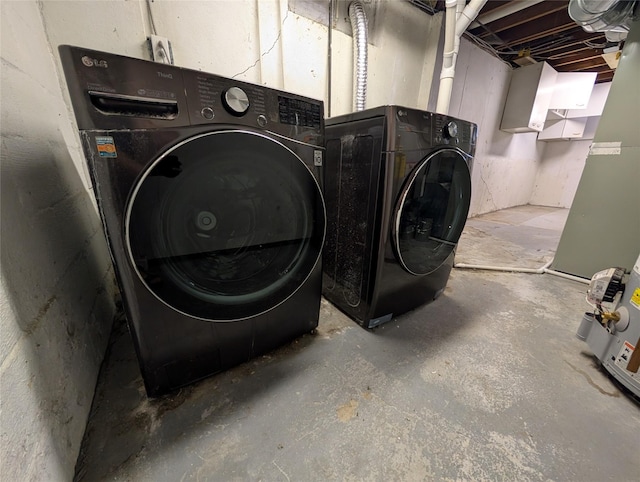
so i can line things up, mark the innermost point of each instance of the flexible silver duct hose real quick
(360, 52)
(602, 15)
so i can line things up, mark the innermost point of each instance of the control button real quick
(262, 120)
(236, 101)
(207, 113)
(450, 130)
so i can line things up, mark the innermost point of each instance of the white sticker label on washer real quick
(317, 158)
(106, 147)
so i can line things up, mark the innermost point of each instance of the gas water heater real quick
(612, 329)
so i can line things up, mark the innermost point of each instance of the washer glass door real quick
(431, 211)
(225, 225)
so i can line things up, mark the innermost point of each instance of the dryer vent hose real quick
(360, 52)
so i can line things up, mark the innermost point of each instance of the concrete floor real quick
(488, 382)
(521, 237)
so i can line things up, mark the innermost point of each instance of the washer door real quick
(225, 225)
(431, 211)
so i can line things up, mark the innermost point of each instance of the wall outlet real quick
(160, 49)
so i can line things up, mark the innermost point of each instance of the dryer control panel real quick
(419, 130)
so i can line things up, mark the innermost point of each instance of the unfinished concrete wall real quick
(510, 169)
(505, 165)
(401, 62)
(559, 173)
(56, 290)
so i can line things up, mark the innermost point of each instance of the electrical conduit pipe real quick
(360, 52)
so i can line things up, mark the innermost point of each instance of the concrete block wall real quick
(56, 290)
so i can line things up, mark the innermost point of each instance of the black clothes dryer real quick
(210, 194)
(397, 190)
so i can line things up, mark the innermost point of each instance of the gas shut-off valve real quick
(604, 293)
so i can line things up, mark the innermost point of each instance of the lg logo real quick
(89, 62)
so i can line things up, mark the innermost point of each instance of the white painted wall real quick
(55, 289)
(401, 62)
(263, 42)
(559, 173)
(505, 165)
(510, 169)
(562, 162)
(56, 285)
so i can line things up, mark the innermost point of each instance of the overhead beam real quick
(530, 33)
(587, 66)
(573, 60)
(506, 9)
(604, 76)
(574, 52)
(570, 41)
(494, 5)
(536, 16)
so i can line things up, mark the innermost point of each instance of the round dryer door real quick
(431, 211)
(225, 225)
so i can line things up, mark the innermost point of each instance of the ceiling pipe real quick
(469, 14)
(502, 12)
(360, 53)
(456, 41)
(454, 28)
(460, 7)
(448, 67)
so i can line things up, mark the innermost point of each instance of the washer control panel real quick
(236, 101)
(450, 130)
(215, 99)
(298, 112)
(116, 92)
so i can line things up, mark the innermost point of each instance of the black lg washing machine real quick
(210, 194)
(397, 190)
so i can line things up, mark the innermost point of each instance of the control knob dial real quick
(450, 130)
(236, 101)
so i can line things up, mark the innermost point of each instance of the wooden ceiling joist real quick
(537, 13)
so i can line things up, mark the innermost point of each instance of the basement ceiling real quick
(542, 31)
